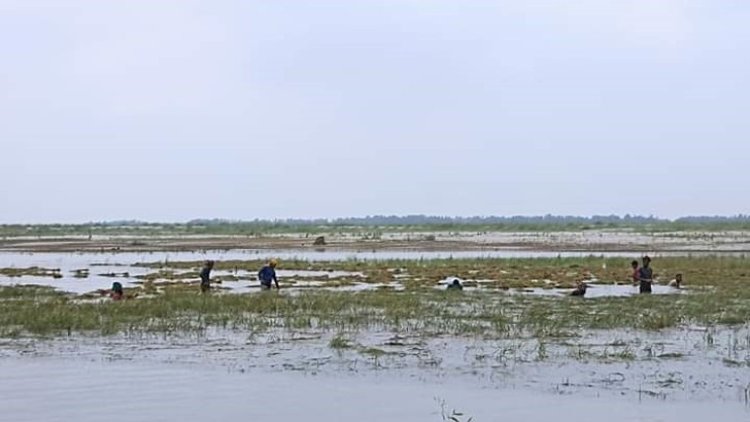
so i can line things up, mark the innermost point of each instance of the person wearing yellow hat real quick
(267, 274)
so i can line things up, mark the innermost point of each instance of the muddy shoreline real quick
(731, 242)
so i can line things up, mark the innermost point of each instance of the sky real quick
(172, 110)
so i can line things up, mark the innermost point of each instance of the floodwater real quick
(604, 290)
(82, 259)
(100, 264)
(686, 375)
(594, 290)
(298, 378)
(63, 390)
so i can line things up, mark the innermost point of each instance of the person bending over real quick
(267, 274)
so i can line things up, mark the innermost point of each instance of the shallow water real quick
(81, 260)
(674, 375)
(107, 262)
(52, 389)
(604, 290)
(685, 374)
(594, 289)
(691, 364)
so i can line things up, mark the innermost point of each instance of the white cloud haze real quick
(172, 110)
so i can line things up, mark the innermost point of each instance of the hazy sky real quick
(172, 110)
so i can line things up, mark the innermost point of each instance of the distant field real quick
(373, 226)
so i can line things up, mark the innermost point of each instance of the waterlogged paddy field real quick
(382, 239)
(375, 340)
(236, 270)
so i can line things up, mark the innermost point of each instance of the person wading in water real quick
(267, 274)
(206, 276)
(580, 289)
(646, 275)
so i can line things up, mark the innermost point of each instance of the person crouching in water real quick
(580, 289)
(117, 293)
(456, 285)
(677, 282)
(206, 276)
(267, 274)
(646, 275)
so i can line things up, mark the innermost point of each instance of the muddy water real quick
(52, 389)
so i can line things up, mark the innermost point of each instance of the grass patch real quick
(29, 292)
(31, 271)
(499, 273)
(339, 342)
(718, 296)
(44, 311)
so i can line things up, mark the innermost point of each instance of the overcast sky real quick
(172, 110)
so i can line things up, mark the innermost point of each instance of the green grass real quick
(29, 292)
(503, 272)
(718, 294)
(31, 271)
(486, 315)
(339, 342)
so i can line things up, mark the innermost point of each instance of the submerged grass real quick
(31, 271)
(718, 295)
(34, 310)
(500, 273)
(339, 342)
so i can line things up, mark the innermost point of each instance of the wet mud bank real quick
(588, 241)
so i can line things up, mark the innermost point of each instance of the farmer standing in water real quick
(267, 274)
(206, 276)
(646, 275)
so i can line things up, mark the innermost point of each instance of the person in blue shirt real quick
(267, 274)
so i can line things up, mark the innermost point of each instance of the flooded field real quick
(85, 272)
(375, 330)
(402, 240)
(672, 376)
(125, 391)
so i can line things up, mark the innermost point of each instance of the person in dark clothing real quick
(117, 293)
(677, 282)
(455, 285)
(580, 289)
(267, 274)
(206, 276)
(646, 275)
(636, 272)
